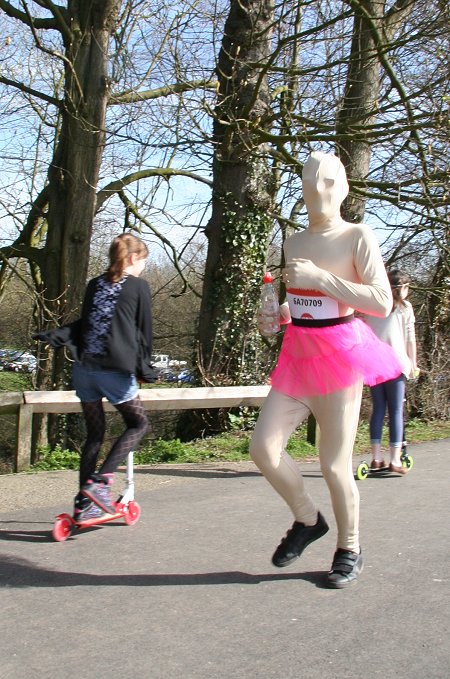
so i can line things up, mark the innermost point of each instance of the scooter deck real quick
(96, 521)
(384, 471)
(65, 525)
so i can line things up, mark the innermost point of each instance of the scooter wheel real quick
(408, 462)
(362, 471)
(62, 528)
(132, 514)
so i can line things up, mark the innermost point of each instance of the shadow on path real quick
(20, 535)
(17, 572)
(217, 473)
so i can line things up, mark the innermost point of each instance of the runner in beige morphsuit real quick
(332, 268)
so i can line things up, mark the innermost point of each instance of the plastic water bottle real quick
(269, 319)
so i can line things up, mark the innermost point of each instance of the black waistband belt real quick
(322, 322)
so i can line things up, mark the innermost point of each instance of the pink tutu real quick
(317, 361)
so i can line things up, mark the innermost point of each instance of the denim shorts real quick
(92, 384)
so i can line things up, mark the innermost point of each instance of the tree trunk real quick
(73, 174)
(359, 107)
(243, 193)
(372, 24)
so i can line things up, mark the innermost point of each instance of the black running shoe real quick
(297, 539)
(345, 569)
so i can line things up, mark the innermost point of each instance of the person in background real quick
(111, 344)
(398, 330)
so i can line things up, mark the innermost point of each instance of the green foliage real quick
(56, 459)
(248, 231)
(298, 447)
(236, 292)
(224, 447)
(243, 418)
(11, 381)
(233, 446)
(162, 451)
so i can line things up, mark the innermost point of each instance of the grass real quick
(233, 447)
(417, 431)
(11, 381)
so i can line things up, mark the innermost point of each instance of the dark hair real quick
(398, 279)
(119, 253)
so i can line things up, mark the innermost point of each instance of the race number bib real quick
(311, 304)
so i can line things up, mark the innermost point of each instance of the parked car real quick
(26, 363)
(166, 375)
(186, 377)
(7, 356)
(164, 362)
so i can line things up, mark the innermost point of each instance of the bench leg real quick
(24, 433)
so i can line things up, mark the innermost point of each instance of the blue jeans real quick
(390, 394)
(91, 385)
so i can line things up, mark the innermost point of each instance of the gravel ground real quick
(41, 489)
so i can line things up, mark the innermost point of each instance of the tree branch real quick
(25, 18)
(132, 208)
(164, 172)
(21, 246)
(29, 90)
(396, 14)
(166, 91)
(22, 250)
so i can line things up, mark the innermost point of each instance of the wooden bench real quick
(26, 404)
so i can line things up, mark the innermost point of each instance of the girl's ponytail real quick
(120, 250)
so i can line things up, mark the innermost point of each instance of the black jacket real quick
(129, 343)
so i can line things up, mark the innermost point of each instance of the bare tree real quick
(71, 97)
(135, 145)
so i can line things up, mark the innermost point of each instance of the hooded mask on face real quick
(325, 185)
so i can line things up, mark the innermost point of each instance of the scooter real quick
(126, 508)
(363, 470)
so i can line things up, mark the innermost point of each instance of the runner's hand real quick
(302, 274)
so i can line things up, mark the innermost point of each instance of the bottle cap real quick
(267, 278)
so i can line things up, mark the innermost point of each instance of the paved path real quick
(189, 591)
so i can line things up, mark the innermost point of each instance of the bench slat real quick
(10, 402)
(181, 398)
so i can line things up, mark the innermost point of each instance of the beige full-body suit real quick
(343, 262)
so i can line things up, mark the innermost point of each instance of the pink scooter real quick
(126, 508)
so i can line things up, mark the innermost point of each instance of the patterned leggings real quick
(136, 425)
